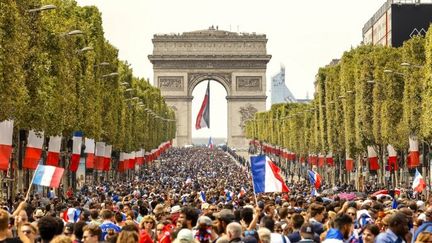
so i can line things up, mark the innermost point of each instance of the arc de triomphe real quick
(238, 61)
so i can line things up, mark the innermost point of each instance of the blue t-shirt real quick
(105, 226)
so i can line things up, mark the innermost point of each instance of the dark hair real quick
(283, 212)
(191, 214)
(268, 222)
(298, 220)
(341, 220)
(316, 209)
(372, 228)
(94, 214)
(93, 229)
(78, 229)
(60, 226)
(247, 215)
(47, 227)
(106, 214)
(118, 217)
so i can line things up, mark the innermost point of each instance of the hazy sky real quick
(302, 35)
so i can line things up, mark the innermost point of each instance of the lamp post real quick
(42, 8)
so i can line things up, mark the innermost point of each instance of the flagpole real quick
(30, 185)
(253, 184)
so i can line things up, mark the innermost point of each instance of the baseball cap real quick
(185, 235)
(225, 215)
(204, 220)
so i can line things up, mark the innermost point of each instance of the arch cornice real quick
(223, 78)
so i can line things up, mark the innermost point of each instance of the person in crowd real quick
(91, 233)
(48, 227)
(341, 230)
(107, 225)
(306, 233)
(426, 226)
(234, 232)
(369, 233)
(396, 231)
(30, 231)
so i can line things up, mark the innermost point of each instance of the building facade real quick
(279, 91)
(397, 21)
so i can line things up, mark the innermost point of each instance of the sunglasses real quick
(26, 231)
(148, 222)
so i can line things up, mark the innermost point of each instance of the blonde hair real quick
(264, 235)
(61, 239)
(127, 236)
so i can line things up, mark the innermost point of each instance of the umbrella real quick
(347, 196)
(385, 191)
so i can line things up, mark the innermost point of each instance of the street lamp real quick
(407, 64)
(350, 91)
(87, 48)
(102, 64)
(75, 32)
(370, 81)
(389, 71)
(110, 75)
(43, 8)
(125, 84)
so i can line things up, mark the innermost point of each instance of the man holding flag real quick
(315, 180)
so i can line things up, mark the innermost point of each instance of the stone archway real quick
(237, 61)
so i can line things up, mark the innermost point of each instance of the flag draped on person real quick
(266, 175)
(203, 118)
(418, 184)
(46, 175)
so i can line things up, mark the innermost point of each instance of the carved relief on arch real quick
(224, 78)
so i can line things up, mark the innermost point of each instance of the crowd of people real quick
(193, 195)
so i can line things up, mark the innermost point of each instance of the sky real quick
(302, 35)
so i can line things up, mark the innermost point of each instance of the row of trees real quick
(58, 74)
(373, 96)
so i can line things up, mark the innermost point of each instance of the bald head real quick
(234, 230)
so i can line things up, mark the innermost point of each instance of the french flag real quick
(76, 151)
(314, 179)
(392, 158)
(418, 184)
(107, 158)
(46, 175)
(33, 150)
(54, 150)
(210, 143)
(90, 151)
(266, 175)
(202, 196)
(203, 118)
(321, 159)
(139, 157)
(99, 156)
(414, 155)
(373, 158)
(6, 131)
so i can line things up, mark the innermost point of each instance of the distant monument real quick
(238, 61)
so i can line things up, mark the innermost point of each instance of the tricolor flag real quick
(210, 143)
(76, 151)
(414, 155)
(373, 158)
(314, 192)
(90, 152)
(6, 131)
(33, 150)
(139, 157)
(203, 118)
(418, 184)
(228, 195)
(107, 157)
(266, 175)
(202, 196)
(314, 179)
(392, 158)
(242, 192)
(132, 161)
(99, 156)
(46, 175)
(54, 150)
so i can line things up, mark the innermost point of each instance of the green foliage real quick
(48, 84)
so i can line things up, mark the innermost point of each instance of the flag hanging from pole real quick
(203, 118)
(6, 131)
(34, 150)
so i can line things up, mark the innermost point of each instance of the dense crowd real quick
(196, 195)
